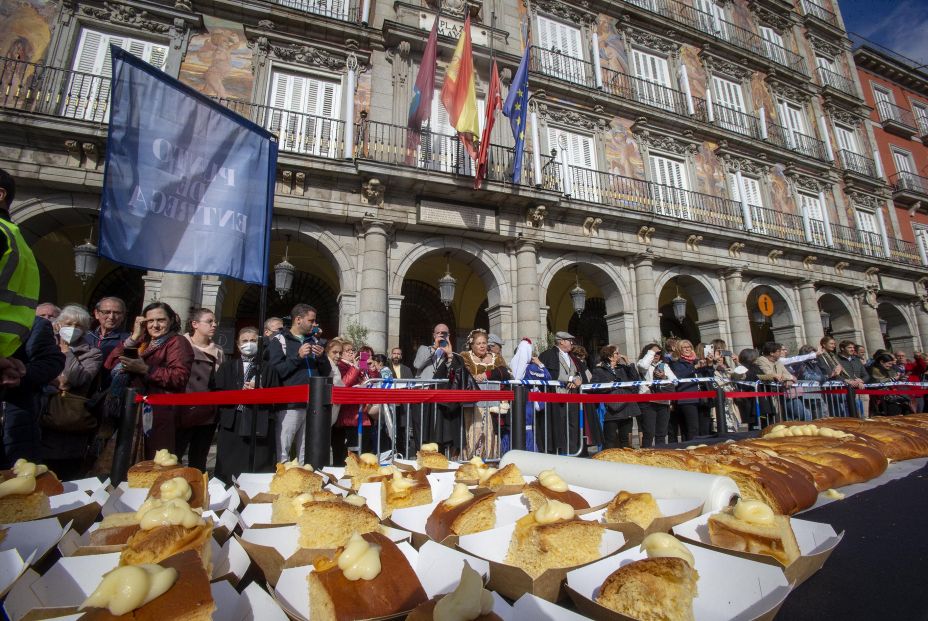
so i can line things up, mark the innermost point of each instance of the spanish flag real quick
(459, 92)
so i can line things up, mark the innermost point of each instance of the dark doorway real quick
(125, 283)
(306, 288)
(670, 327)
(420, 311)
(590, 328)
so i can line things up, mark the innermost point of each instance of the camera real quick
(443, 343)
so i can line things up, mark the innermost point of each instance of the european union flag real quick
(516, 108)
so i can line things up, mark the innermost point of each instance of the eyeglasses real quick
(111, 312)
(441, 334)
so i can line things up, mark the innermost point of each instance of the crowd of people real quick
(65, 410)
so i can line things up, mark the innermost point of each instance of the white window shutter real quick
(303, 111)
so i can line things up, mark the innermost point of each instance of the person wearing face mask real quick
(65, 440)
(233, 443)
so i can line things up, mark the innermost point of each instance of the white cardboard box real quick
(33, 538)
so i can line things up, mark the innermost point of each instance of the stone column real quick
(870, 321)
(527, 303)
(373, 298)
(738, 321)
(921, 318)
(649, 322)
(811, 315)
(181, 292)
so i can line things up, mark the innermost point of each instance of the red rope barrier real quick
(552, 397)
(257, 396)
(353, 396)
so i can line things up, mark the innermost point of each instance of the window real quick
(812, 209)
(906, 178)
(730, 112)
(331, 8)
(885, 103)
(304, 113)
(444, 151)
(921, 117)
(773, 45)
(870, 237)
(791, 116)
(669, 187)
(653, 86)
(711, 18)
(89, 88)
(921, 241)
(846, 139)
(753, 197)
(562, 50)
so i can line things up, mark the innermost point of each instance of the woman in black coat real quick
(617, 422)
(685, 364)
(233, 444)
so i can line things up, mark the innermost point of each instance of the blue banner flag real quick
(516, 108)
(188, 185)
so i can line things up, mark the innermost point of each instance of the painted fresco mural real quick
(612, 51)
(779, 190)
(761, 97)
(26, 28)
(695, 70)
(623, 157)
(740, 15)
(710, 171)
(362, 97)
(218, 62)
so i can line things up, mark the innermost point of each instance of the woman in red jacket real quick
(155, 359)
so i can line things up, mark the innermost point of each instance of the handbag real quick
(68, 413)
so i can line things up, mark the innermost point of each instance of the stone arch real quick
(786, 322)
(42, 215)
(310, 233)
(703, 297)
(844, 321)
(480, 261)
(900, 333)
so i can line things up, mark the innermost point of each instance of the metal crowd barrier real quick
(404, 450)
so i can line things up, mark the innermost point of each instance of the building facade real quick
(681, 154)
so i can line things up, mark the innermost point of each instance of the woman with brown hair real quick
(485, 366)
(154, 359)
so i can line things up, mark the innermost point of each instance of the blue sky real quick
(900, 25)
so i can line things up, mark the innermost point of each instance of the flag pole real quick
(259, 373)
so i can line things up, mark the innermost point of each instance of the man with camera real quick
(297, 355)
(438, 361)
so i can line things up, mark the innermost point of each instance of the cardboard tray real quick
(730, 588)
(255, 486)
(441, 485)
(437, 567)
(513, 582)
(276, 549)
(33, 539)
(816, 543)
(674, 510)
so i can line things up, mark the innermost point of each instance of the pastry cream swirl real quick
(175, 488)
(554, 511)
(18, 485)
(23, 468)
(165, 458)
(551, 480)
(476, 461)
(359, 560)
(354, 499)
(754, 512)
(662, 545)
(468, 601)
(174, 512)
(485, 473)
(295, 463)
(399, 484)
(298, 502)
(459, 496)
(126, 588)
(431, 447)
(368, 458)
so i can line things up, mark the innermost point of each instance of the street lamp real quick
(884, 326)
(283, 273)
(446, 284)
(679, 306)
(578, 295)
(826, 320)
(86, 259)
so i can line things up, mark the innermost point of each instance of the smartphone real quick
(727, 354)
(131, 352)
(363, 358)
(708, 351)
(443, 343)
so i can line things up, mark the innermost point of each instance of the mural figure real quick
(218, 63)
(622, 153)
(26, 29)
(710, 173)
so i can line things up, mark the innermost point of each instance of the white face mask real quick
(248, 349)
(70, 334)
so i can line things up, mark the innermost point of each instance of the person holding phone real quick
(655, 415)
(441, 423)
(154, 359)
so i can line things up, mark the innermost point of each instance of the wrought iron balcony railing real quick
(778, 224)
(296, 132)
(645, 92)
(857, 163)
(50, 91)
(736, 121)
(906, 181)
(856, 241)
(836, 81)
(818, 11)
(344, 10)
(891, 113)
(796, 141)
(904, 251)
(556, 64)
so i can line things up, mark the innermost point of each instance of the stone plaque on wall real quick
(451, 27)
(458, 216)
(896, 285)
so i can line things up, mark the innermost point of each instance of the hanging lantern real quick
(826, 320)
(679, 306)
(85, 261)
(283, 273)
(578, 296)
(446, 285)
(884, 326)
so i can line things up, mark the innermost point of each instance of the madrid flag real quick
(459, 92)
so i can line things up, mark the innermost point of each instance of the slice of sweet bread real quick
(552, 537)
(640, 509)
(329, 525)
(652, 589)
(291, 479)
(751, 526)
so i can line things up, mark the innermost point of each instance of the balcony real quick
(778, 224)
(555, 64)
(856, 241)
(797, 142)
(736, 121)
(922, 123)
(722, 30)
(813, 9)
(645, 92)
(48, 91)
(909, 188)
(903, 251)
(856, 163)
(837, 82)
(896, 120)
(342, 10)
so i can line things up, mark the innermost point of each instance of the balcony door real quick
(753, 198)
(730, 112)
(847, 139)
(921, 118)
(653, 86)
(562, 55)
(791, 118)
(906, 176)
(885, 103)
(812, 208)
(711, 18)
(329, 8)
(579, 153)
(89, 86)
(869, 233)
(304, 113)
(669, 187)
(443, 150)
(773, 45)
